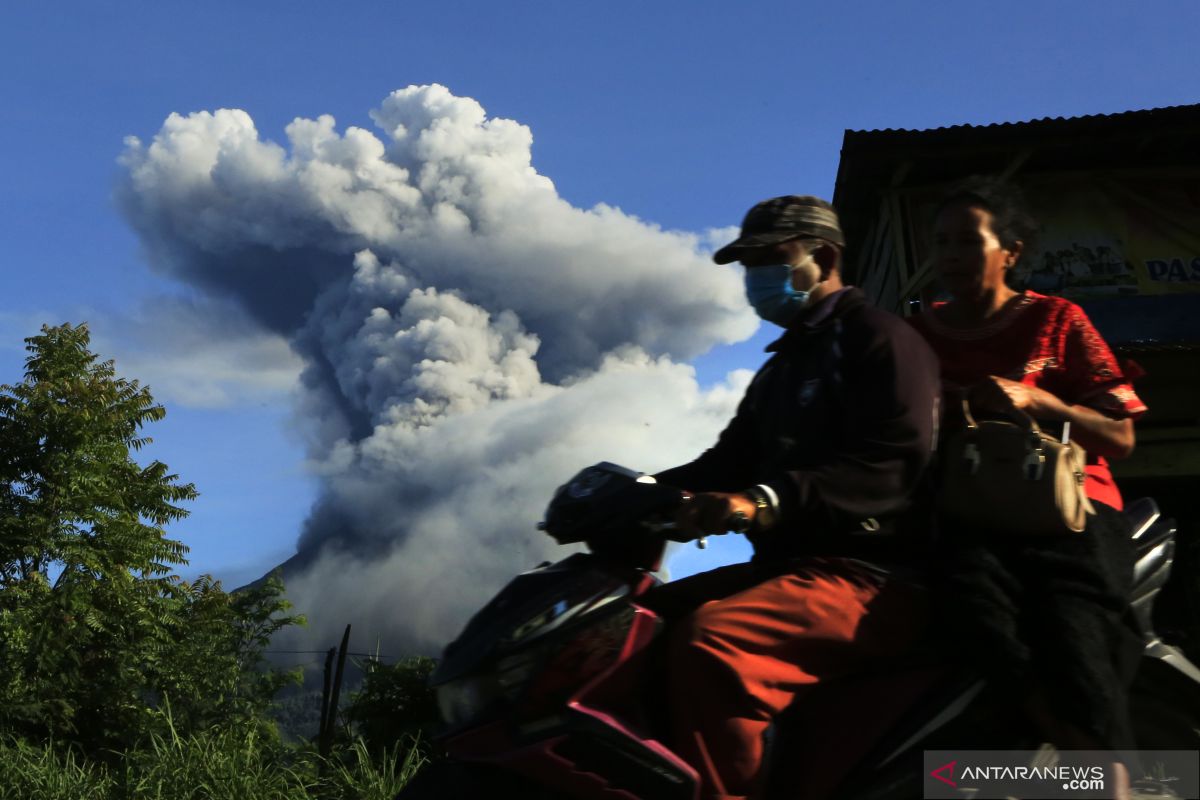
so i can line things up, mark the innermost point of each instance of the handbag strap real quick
(1015, 414)
(1035, 458)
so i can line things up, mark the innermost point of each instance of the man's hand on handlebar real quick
(708, 513)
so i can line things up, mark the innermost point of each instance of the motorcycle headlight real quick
(464, 699)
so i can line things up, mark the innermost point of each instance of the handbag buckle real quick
(1035, 465)
(971, 457)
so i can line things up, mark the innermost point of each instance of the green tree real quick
(95, 629)
(215, 672)
(395, 704)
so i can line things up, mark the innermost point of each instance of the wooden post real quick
(322, 736)
(337, 684)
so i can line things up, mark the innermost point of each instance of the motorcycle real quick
(550, 691)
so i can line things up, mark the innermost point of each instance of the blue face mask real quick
(769, 289)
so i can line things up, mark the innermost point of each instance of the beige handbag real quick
(1008, 476)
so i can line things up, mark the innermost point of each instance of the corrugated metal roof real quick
(1136, 114)
(870, 160)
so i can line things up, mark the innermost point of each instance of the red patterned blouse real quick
(1047, 342)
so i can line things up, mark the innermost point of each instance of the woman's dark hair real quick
(1010, 221)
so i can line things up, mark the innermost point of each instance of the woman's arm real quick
(1096, 433)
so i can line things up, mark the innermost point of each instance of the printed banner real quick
(1101, 234)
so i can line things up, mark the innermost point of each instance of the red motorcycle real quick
(552, 690)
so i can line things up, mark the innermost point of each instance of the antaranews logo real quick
(945, 773)
(1047, 773)
(1005, 774)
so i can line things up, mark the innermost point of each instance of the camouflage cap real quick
(776, 220)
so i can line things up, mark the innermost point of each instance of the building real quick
(1118, 198)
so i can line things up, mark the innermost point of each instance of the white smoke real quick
(197, 353)
(469, 338)
(191, 352)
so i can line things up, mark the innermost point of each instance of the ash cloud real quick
(198, 353)
(468, 338)
(192, 352)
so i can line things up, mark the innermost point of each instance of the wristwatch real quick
(766, 512)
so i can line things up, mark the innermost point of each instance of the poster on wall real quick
(1101, 234)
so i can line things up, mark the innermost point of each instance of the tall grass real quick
(361, 776)
(219, 764)
(47, 772)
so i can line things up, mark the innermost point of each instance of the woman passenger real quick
(1042, 613)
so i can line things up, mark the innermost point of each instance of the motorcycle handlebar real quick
(601, 500)
(737, 522)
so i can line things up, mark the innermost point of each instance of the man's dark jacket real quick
(841, 422)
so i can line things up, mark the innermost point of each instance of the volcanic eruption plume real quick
(469, 338)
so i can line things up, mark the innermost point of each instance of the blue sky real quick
(679, 114)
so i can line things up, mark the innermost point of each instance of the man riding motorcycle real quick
(821, 467)
(555, 687)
